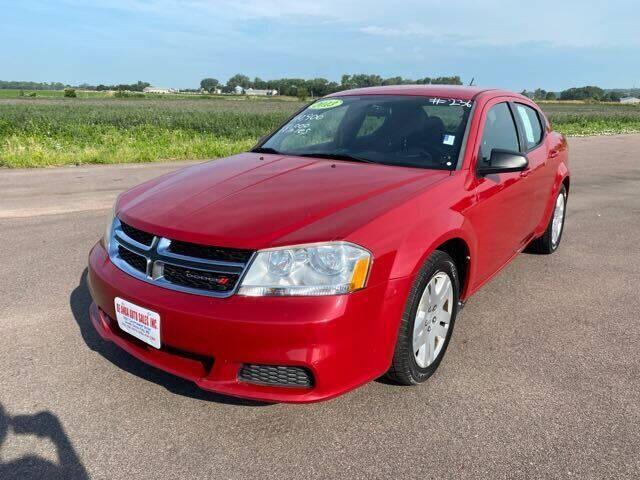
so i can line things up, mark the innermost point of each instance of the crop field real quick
(583, 119)
(61, 132)
(50, 130)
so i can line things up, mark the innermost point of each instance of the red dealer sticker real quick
(139, 322)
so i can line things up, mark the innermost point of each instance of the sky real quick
(507, 44)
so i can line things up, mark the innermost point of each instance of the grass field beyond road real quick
(55, 131)
(48, 132)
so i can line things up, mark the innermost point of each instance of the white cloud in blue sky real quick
(551, 44)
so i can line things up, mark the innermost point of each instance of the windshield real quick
(424, 132)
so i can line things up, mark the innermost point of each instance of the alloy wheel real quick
(432, 319)
(558, 219)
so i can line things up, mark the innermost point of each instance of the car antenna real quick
(471, 82)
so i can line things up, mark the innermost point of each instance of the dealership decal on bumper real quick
(137, 321)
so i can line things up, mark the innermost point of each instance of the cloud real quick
(411, 30)
(177, 42)
(491, 22)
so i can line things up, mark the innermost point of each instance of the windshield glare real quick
(424, 132)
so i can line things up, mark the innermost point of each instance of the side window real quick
(531, 124)
(499, 132)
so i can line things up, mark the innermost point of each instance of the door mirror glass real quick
(503, 161)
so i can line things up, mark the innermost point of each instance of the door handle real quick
(553, 153)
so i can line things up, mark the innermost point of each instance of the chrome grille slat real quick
(158, 255)
(163, 249)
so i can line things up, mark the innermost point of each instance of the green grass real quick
(75, 132)
(582, 119)
(50, 130)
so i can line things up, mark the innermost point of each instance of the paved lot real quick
(542, 379)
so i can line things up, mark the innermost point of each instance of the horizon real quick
(175, 44)
(621, 90)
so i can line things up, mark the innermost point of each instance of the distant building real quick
(159, 90)
(629, 100)
(254, 92)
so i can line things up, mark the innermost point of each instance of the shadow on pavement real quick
(80, 300)
(43, 425)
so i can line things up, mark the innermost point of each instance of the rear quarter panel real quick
(556, 142)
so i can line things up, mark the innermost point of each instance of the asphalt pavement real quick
(541, 380)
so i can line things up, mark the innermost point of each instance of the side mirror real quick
(503, 161)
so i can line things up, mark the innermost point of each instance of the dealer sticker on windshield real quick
(330, 103)
(137, 321)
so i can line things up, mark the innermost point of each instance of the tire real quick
(406, 368)
(548, 242)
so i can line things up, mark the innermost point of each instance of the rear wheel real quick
(427, 323)
(550, 239)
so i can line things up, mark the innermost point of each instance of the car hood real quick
(257, 201)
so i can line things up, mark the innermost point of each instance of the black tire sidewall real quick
(442, 263)
(543, 244)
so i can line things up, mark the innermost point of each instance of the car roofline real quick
(448, 91)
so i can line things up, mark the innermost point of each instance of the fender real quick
(435, 225)
(468, 239)
(454, 228)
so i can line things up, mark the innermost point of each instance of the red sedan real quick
(339, 249)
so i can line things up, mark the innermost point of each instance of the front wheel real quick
(427, 323)
(550, 239)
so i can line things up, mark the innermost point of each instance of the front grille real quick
(137, 235)
(210, 253)
(186, 267)
(200, 279)
(136, 261)
(279, 376)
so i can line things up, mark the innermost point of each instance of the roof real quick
(446, 91)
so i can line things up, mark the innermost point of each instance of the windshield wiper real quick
(330, 156)
(337, 156)
(265, 150)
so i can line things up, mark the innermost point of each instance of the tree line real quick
(318, 87)
(15, 85)
(124, 87)
(576, 93)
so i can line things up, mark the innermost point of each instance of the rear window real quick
(531, 124)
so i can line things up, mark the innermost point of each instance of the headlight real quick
(317, 269)
(106, 240)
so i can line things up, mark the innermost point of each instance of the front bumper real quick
(344, 341)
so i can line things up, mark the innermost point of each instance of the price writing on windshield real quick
(451, 102)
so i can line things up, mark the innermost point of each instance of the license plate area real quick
(142, 323)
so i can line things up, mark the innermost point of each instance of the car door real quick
(539, 178)
(501, 216)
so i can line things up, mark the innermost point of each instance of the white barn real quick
(159, 90)
(629, 100)
(255, 92)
